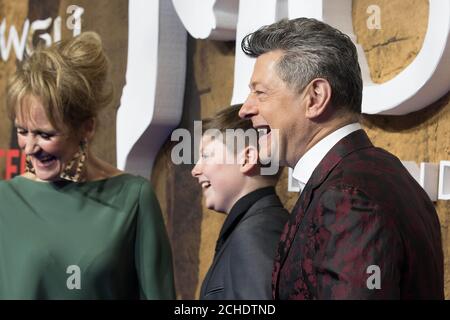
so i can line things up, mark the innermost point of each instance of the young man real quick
(362, 228)
(229, 175)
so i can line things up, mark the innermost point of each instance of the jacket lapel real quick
(354, 141)
(288, 234)
(267, 201)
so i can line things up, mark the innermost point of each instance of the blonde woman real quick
(73, 226)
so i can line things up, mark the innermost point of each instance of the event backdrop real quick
(423, 136)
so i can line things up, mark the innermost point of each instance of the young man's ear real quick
(318, 95)
(249, 160)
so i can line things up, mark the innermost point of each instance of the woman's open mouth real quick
(44, 160)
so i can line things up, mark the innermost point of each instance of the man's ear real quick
(249, 160)
(318, 96)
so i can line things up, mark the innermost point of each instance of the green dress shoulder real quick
(102, 239)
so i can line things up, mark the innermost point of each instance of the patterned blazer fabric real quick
(360, 208)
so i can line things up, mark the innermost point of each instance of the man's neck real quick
(321, 131)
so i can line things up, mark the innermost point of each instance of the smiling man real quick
(359, 209)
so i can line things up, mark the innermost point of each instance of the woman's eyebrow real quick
(19, 126)
(37, 130)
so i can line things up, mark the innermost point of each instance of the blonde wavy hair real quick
(70, 78)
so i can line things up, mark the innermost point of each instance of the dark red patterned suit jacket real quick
(362, 228)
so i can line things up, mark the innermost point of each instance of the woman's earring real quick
(29, 165)
(71, 172)
(81, 160)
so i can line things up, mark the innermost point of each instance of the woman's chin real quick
(46, 176)
(47, 171)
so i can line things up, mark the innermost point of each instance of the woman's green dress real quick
(102, 239)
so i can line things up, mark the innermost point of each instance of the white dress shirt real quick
(308, 163)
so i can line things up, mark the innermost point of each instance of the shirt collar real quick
(238, 210)
(306, 165)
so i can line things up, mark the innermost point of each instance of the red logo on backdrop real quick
(14, 162)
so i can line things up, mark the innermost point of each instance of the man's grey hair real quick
(312, 49)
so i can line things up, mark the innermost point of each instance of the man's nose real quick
(248, 109)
